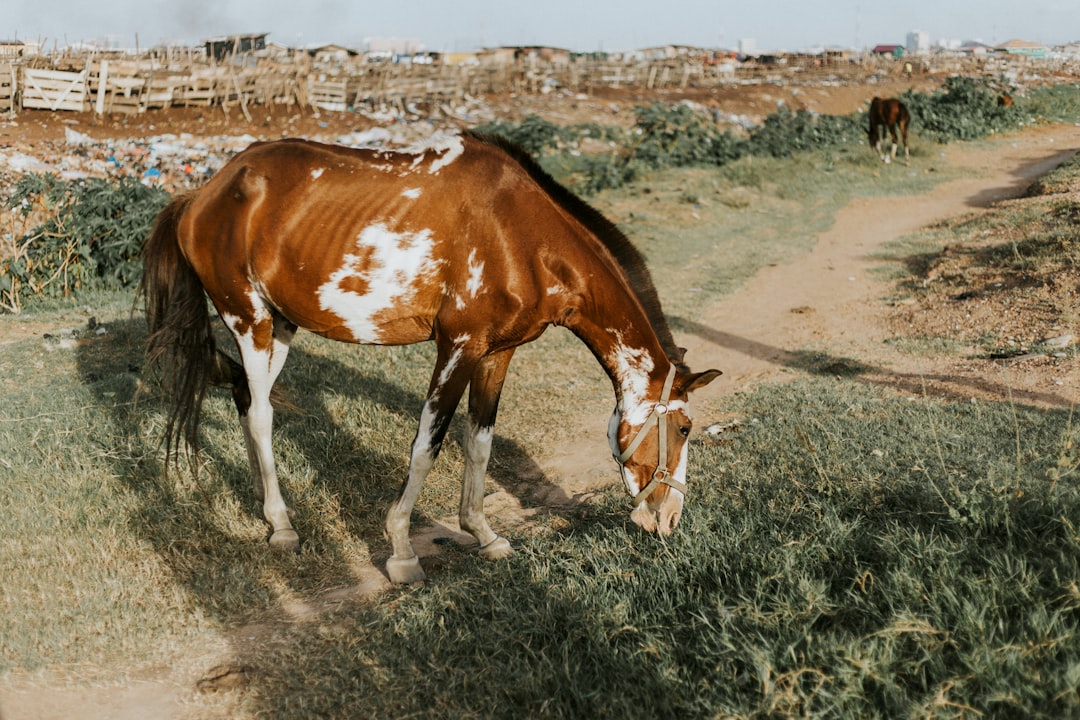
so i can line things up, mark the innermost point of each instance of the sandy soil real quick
(828, 300)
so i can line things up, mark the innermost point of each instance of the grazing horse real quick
(466, 242)
(888, 114)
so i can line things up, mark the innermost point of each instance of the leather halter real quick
(661, 474)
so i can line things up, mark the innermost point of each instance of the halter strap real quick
(661, 474)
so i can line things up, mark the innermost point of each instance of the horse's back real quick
(367, 245)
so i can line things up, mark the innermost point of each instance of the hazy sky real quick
(573, 24)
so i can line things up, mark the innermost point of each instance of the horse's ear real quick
(701, 379)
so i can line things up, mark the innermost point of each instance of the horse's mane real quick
(628, 257)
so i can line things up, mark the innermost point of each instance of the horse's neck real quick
(614, 326)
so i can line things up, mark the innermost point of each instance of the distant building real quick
(747, 46)
(918, 42)
(1022, 47)
(893, 50)
(974, 47)
(220, 48)
(11, 49)
(331, 54)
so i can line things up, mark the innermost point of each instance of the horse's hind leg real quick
(484, 391)
(283, 335)
(879, 145)
(263, 343)
(892, 150)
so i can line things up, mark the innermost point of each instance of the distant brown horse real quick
(888, 114)
(466, 242)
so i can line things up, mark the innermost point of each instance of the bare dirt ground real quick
(829, 300)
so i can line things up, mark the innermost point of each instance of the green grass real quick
(846, 553)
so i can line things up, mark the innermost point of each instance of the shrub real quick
(534, 134)
(676, 136)
(786, 132)
(93, 238)
(964, 109)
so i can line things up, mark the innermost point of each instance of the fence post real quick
(102, 88)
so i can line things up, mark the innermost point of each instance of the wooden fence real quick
(126, 85)
(8, 86)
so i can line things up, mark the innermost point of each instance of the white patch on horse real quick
(451, 148)
(411, 193)
(452, 362)
(317, 173)
(476, 270)
(556, 290)
(246, 341)
(631, 367)
(680, 470)
(259, 310)
(448, 147)
(422, 459)
(394, 264)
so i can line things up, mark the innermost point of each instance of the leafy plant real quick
(677, 136)
(786, 132)
(533, 133)
(964, 109)
(93, 238)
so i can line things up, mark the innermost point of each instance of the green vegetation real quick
(92, 238)
(964, 109)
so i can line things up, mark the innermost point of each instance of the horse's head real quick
(648, 440)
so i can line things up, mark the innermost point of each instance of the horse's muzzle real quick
(660, 517)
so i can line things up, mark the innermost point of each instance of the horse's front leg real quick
(447, 386)
(484, 391)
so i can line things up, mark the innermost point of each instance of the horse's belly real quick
(400, 331)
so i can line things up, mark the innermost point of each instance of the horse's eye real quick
(684, 430)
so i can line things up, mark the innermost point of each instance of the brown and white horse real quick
(466, 242)
(888, 114)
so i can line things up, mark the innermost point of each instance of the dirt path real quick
(828, 300)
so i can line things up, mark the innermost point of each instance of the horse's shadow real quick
(175, 511)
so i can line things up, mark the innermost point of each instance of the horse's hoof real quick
(405, 571)
(497, 549)
(286, 540)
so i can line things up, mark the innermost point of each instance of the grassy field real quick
(851, 553)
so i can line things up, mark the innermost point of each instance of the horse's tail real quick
(180, 339)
